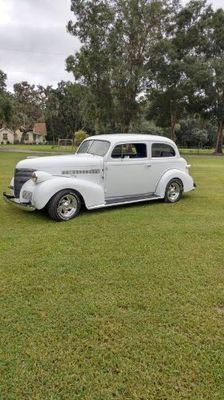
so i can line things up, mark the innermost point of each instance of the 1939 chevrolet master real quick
(106, 170)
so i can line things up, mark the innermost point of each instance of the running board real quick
(127, 199)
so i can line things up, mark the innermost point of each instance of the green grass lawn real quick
(38, 148)
(122, 303)
(191, 151)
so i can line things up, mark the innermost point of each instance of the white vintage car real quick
(106, 170)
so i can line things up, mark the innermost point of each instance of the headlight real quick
(40, 176)
(34, 177)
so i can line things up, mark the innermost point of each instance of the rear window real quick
(162, 150)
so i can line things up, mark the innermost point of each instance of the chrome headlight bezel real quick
(40, 176)
(34, 177)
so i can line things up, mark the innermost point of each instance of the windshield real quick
(95, 147)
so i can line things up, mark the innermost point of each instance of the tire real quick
(64, 205)
(174, 191)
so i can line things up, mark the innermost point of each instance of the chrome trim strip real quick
(130, 198)
(80, 171)
(15, 202)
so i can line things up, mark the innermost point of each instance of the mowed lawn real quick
(38, 148)
(122, 303)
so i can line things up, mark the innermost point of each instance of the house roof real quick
(40, 128)
(2, 130)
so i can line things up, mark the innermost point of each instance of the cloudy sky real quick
(34, 42)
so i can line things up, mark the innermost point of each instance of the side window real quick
(129, 150)
(162, 150)
(117, 151)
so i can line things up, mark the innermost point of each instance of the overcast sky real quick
(34, 42)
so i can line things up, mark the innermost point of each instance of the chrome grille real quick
(21, 176)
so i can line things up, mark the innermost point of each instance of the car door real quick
(127, 171)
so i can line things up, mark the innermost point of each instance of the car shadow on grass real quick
(42, 215)
(154, 203)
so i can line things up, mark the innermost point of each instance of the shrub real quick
(193, 132)
(79, 136)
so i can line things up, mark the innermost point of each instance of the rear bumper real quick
(16, 203)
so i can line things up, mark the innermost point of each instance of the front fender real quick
(185, 178)
(92, 193)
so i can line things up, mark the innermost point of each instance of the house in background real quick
(6, 136)
(40, 130)
(35, 136)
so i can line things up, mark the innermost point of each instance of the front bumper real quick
(15, 202)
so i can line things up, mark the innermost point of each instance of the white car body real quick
(117, 177)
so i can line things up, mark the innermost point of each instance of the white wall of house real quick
(6, 136)
(28, 138)
(18, 136)
(40, 139)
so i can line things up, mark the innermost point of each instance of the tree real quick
(194, 132)
(66, 109)
(174, 56)
(26, 105)
(5, 103)
(137, 26)
(51, 112)
(115, 37)
(213, 56)
(90, 65)
(3, 78)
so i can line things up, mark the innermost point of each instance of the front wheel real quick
(174, 191)
(64, 205)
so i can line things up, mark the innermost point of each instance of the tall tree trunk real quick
(219, 140)
(97, 121)
(173, 120)
(126, 128)
(125, 123)
(52, 131)
(97, 126)
(129, 111)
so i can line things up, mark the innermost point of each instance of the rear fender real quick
(185, 178)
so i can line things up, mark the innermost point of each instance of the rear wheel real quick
(174, 191)
(64, 205)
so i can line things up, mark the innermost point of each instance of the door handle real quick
(148, 165)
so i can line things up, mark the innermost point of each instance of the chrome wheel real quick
(173, 191)
(67, 206)
(64, 205)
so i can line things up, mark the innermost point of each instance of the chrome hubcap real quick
(67, 206)
(173, 191)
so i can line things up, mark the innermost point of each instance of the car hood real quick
(57, 164)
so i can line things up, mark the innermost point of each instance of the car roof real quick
(129, 137)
